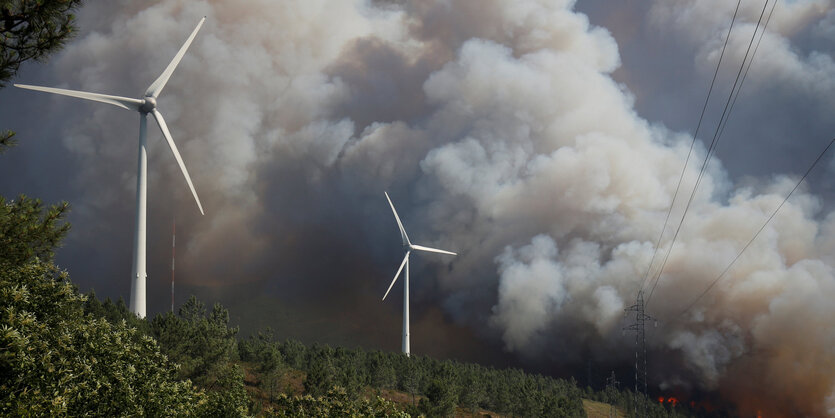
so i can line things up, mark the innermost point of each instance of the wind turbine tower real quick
(145, 105)
(408, 247)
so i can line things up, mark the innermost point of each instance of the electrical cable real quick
(820, 156)
(711, 149)
(750, 62)
(692, 144)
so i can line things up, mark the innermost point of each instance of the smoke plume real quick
(505, 131)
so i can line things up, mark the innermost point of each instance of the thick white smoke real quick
(499, 124)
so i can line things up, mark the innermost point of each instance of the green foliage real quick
(294, 353)
(473, 393)
(382, 372)
(263, 350)
(335, 403)
(440, 399)
(200, 344)
(227, 395)
(408, 377)
(6, 140)
(204, 346)
(55, 359)
(31, 30)
(28, 232)
(115, 313)
(320, 370)
(439, 385)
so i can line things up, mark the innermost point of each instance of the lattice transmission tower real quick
(612, 390)
(640, 353)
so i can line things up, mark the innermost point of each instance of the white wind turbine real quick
(144, 106)
(407, 247)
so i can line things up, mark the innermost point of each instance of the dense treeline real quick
(205, 344)
(436, 387)
(205, 347)
(202, 344)
(64, 353)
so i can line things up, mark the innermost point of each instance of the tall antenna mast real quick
(173, 257)
(640, 351)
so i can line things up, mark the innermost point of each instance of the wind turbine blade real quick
(431, 250)
(399, 224)
(164, 128)
(156, 87)
(405, 259)
(123, 102)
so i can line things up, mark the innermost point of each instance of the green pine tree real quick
(54, 358)
(31, 30)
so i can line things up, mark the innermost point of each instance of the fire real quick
(670, 400)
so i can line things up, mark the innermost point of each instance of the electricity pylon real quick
(611, 390)
(640, 351)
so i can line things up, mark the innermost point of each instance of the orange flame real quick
(671, 400)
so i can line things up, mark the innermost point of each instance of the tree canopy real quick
(54, 358)
(28, 231)
(32, 29)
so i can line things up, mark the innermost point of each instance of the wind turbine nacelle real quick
(148, 105)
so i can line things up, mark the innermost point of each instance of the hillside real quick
(288, 375)
(601, 410)
(66, 353)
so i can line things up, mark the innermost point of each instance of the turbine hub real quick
(149, 104)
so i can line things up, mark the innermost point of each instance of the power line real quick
(711, 149)
(751, 61)
(820, 156)
(692, 144)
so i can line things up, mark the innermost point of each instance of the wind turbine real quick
(407, 247)
(144, 106)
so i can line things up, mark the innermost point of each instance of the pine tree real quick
(204, 346)
(31, 30)
(440, 399)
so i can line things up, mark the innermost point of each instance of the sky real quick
(543, 141)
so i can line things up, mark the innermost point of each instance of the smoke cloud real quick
(509, 132)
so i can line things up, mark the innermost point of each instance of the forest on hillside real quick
(64, 352)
